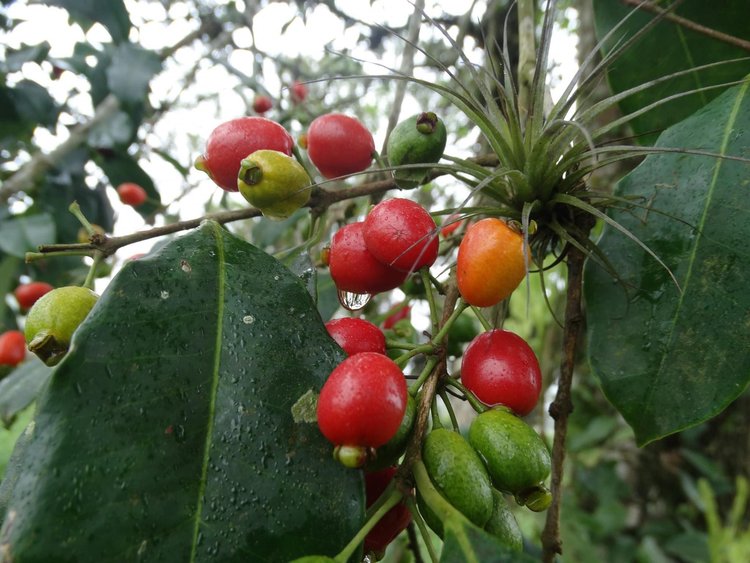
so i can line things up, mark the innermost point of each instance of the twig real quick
(562, 406)
(689, 24)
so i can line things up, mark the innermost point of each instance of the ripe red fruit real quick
(354, 269)
(500, 368)
(28, 293)
(356, 335)
(402, 234)
(12, 347)
(131, 194)
(451, 223)
(298, 92)
(363, 401)
(392, 319)
(338, 145)
(261, 103)
(393, 522)
(234, 140)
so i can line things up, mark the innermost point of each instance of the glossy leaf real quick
(670, 358)
(167, 433)
(669, 48)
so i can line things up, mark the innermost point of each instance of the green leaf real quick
(111, 14)
(21, 388)
(130, 72)
(466, 543)
(16, 58)
(669, 48)
(667, 359)
(167, 432)
(24, 233)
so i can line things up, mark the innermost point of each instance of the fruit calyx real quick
(427, 122)
(250, 172)
(48, 348)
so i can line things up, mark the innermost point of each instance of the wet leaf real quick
(669, 359)
(167, 432)
(669, 48)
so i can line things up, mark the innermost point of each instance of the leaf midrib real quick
(699, 228)
(214, 386)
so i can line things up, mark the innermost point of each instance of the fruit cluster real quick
(366, 409)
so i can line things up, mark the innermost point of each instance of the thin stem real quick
(475, 403)
(91, 275)
(562, 406)
(429, 366)
(452, 415)
(389, 502)
(417, 518)
(425, 274)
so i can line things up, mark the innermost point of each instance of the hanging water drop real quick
(353, 301)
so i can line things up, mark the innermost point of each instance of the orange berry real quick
(491, 262)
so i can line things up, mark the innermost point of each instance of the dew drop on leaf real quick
(353, 301)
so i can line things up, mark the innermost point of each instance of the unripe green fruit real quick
(419, 139)
(516, 456)
(388, 454)
(274, 183)
(502, 524)
(54, 318)
(458, 474)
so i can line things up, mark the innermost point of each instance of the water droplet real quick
(248, 319)
(185, 266)
(164, 294)
(353, 301)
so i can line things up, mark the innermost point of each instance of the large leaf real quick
(24, 233)
(166, 434)
(670, 358)
(669, 48)
(131, 71)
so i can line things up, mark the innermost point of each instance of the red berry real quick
(451, 223)
(28, 293)
(298, 92)
(354, 269)
(402, 234)
(234, 140)
(339, 145)
(500, 368)
(393, 522)
(12, 347)
(261, 104)
(363, 401)
(402, 313)
(131, 194)
(356, 335)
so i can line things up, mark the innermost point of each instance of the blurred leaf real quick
(21, 387)
(16, 58)
(111, 14)
(130, 72)
(24, 233)
(669, 359)
(8, 439)
(9, 268)
(66, 184)
(166, 433)
(691, 547)
(121, 167)
(669, 48)
(34, 104)
(302, 266)
(328, 299)
(113, 133)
